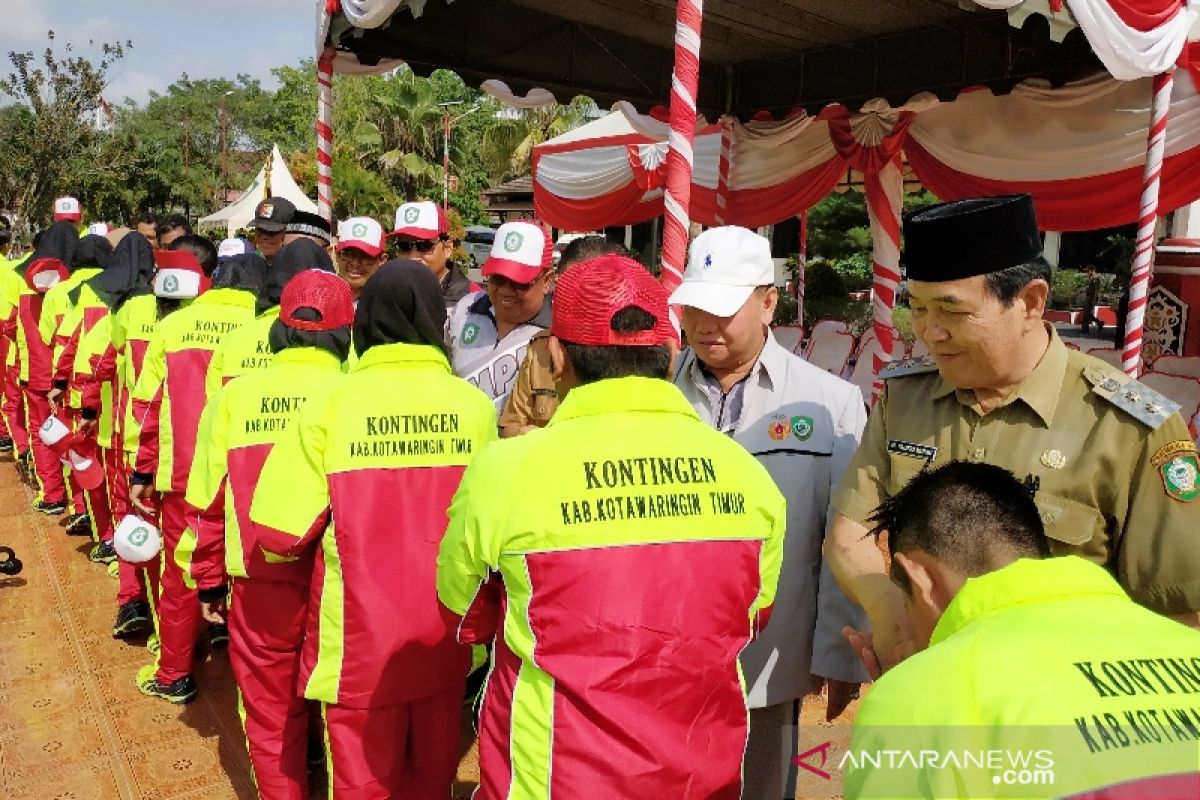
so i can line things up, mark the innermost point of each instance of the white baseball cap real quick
(361, 233)
(725, 266)
(67, 208)
(232, 247)
(520, 252)
(423, 220)
(99, 229)
(136, 541)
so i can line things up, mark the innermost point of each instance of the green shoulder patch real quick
(1179, 469)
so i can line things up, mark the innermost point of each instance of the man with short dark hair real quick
(1111, 463)
(1045, 662)
(637, 564)
(170, 228)
(146, 224)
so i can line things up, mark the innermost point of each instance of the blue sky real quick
(205, 38)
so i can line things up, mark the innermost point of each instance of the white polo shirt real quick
(479, 355)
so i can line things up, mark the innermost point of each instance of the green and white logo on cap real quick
(359, 229)
(170, 283)
(139, 535)
(513, 241)
(411, 215)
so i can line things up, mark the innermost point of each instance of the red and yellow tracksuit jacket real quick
(131, 329)
(58, 324)
(164, 412)
(38, 316)
(241, 424)
(636, 567)
(244, 350)
(377, 461)
(93, 381)
(10, 294)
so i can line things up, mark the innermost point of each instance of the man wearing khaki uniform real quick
(1110, 462)
(803, 425)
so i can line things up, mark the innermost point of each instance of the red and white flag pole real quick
(1143, 255)
(685, 82)
(325, 134)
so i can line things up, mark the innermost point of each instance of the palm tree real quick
(508, 143)
(400, 135)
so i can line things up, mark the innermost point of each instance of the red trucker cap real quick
(323, 292)
(590, 293)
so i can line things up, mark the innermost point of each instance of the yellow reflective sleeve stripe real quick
(212, 378)
(464, 560)
(325, 680)
(210, 461)
(293, 489)
(533, 695)
(770, 560)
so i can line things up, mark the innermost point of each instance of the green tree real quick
(60, 94)
(508, 143)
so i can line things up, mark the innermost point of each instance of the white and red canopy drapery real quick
(1078, 150)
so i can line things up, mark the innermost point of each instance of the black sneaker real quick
(181, 691)
(50, 509)
(132, 618)
(103, 553)
(218, 635)
(79, 525)
(6, 445)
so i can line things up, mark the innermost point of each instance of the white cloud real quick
(133, 84)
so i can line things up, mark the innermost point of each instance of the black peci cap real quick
(965, 238)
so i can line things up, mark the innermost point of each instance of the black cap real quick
(311, 225)
(272, 215)
(964, 238)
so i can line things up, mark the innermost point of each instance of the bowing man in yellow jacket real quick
(1042, 677)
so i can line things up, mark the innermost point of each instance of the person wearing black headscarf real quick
(130, 273)
(400, 304)
(248, 348)
(293, 259)
(241, 424)
(92, 252)
(58, 242)
(383, 455)
(247, 272)
(48, 322)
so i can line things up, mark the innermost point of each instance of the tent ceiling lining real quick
(757, 54)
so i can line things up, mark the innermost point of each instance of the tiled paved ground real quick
(72, 723)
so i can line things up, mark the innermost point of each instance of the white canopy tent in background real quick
(237, 214)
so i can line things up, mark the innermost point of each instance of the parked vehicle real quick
(478, 243)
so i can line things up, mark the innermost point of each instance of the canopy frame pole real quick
(722, 209)
(884, 191)
(801, 267)
(325, 134)
(1143, 254)
(685, 82)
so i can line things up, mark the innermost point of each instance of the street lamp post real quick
(446, 146)
(224, 143)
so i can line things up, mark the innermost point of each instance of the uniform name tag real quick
(924, 452)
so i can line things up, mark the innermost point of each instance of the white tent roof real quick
(237, 214)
